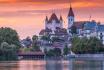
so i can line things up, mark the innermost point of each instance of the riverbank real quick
(87, 56)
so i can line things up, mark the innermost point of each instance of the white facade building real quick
(53, 23)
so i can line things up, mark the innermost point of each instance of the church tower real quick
(70, 18)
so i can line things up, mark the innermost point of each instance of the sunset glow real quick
(27, 16)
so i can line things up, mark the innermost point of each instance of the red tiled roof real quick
(79, 24)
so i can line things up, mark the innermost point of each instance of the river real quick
(52, 65)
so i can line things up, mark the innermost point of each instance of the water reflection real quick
(53, 65)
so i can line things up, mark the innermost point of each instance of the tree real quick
(28, 42)
(66, 50)
(47, 38)
(8, 52)
(9, 35)
(73, 30)
(35, 46)
(84, 45)
(54, 52)
(57, 51)
(9, 44)
(34, 38)
(45, 50)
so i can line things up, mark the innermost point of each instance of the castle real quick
(54, 30)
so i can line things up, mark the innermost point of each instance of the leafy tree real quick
(50, 53)
(9, 35)
(9, 44)
(84, 45)
(47, 38)
(73, 30)
(35, 46)
(28, 42)
(45, 51)
(54, 52)
(66, 50)
(57, 51)
(8, 52)
(34, 38)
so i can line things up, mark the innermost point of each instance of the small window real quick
(101, 33)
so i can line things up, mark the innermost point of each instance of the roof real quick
(90, 25)
(48, 30)
(71, 13)
(42, 32)
(101, 28)
(79, 24)
(53, 17)
(57, 44)
(31, 53)
(61, 31)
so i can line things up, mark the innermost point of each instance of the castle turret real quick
(46, 21)
(61, 21)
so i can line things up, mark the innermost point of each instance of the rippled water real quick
(52, 65)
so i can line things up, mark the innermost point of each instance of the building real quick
(100, 33)
(53, 23)
(59, 36)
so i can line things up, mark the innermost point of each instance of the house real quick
(100, 33)
(90, 29)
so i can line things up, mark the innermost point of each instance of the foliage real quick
(8, 52)
(27, 42)
(35, 46)
(84, 45)
(46, 38)
(9, 44)
(66, 50)
(54, 52)
(73, 30)
(26, 49)
(34, 38)
(9, 35)
(45, 51)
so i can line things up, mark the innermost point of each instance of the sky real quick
(27, 16)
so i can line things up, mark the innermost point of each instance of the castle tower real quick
(61, 21)
(70, 18)
(46, 21)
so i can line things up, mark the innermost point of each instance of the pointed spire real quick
(71, 13)
(61, 17)
(46, 18)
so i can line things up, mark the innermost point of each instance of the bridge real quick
(31, 55)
